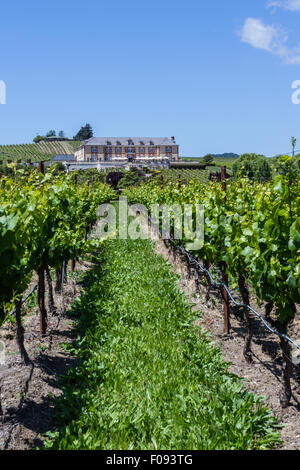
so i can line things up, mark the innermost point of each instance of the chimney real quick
(173, 138)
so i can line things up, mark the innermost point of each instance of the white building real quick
(128, 149)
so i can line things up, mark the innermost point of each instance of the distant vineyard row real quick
(186, 175)
(36, 152)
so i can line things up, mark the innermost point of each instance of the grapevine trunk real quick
(20, 335)
(245, 296)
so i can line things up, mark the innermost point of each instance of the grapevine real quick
(255, 230)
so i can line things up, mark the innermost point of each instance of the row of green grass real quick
(146, 377)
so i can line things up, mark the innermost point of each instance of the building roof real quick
(63, 158)
(54, 138)
(134, 141)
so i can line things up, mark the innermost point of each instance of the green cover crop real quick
(147, 378)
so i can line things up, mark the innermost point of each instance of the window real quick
(142, 150)
(118, 150)
(108, 149)
(168, 150)
(94, 150)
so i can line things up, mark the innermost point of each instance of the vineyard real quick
(185, 175)
(146, 374)
(252, 237)
(41, 151)
(43, 224)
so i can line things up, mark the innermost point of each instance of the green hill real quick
(42, 151)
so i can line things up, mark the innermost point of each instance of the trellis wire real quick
(238, 304)
(33, 290)
(219, 284)
(25, 299)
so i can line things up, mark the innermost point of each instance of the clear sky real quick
(216, 74)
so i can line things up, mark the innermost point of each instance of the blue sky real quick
(216, 74)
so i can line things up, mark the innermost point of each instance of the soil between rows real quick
(28, 392)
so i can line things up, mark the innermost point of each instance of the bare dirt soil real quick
(263, 377)
(28, 392)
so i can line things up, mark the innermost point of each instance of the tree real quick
(38, 138)
(61, 134)
(133, 177)
(293, 140)
(85, 133)
(51, 133)
(208, 158)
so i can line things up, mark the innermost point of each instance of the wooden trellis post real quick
(41, 170)
(179, 182)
